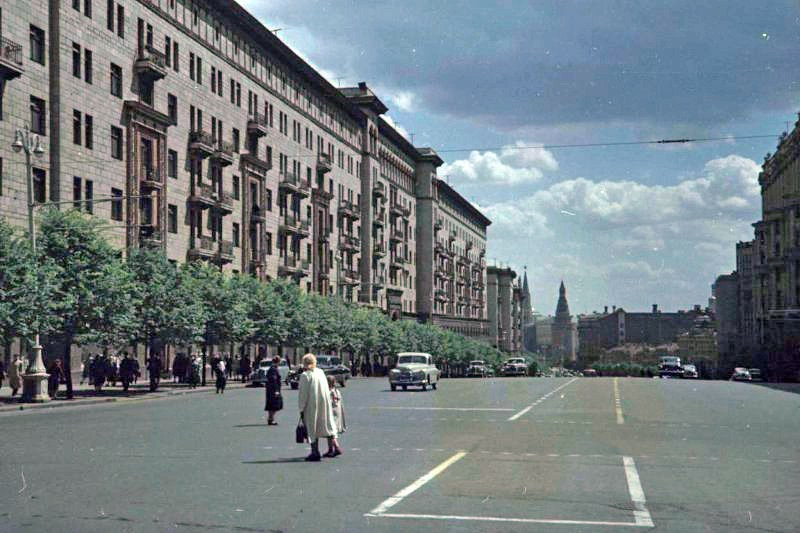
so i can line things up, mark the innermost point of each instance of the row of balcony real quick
(203, 144)
(349, 242)
(10, 59)
(397, 209)
(293, 183)
(291, 265)
(291, 223)
(379, 217)
(150, 64)
(349, 209)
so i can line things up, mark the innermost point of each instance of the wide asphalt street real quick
(508, 454)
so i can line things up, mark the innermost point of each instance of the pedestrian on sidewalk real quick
(2, 373)
(137, 371)
(15, 375)
(222, 377)
(274, 399)
(154, 371)
(99, 371)
(229, 366)
(316, 411)
(126, 371)
(56, 372)
(245, 366)
(195, 368)
(86, 370)
(338, 416)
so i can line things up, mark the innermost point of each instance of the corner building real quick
(191, 128)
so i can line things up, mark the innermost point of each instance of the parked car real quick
(477, 369)
(259, 376)
(670, 367)
(332, 366)
(516, 366)
(690, 372)
(590, 373)
(414, 369)
(741, 374)
(755, 374)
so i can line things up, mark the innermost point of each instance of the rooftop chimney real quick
(362, 86)
(655, 308)
(605, 310)
(614, 309)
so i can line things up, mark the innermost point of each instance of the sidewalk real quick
(85, 394)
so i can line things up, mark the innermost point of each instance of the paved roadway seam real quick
(540, 400)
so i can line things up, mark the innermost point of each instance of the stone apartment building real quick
(726, 317)
(503, 308)
(189, 127)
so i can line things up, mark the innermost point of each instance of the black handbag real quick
(300, 434)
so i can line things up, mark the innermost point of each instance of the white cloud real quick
(404, 101)
(514, 165)
(400, 129)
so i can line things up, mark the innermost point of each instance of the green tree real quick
(92, 284)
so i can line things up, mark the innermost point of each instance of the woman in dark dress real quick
(274, 398)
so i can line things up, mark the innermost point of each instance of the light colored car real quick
(741, 374)
(477, 369)
(690, 372)
(755, 374)
(516, 366)
(259, 376)
(414, 369)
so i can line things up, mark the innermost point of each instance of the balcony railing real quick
(350, 275)
(201, 248)
(10, 59)
(379, 280)
(223, 153)
(201, 143)
(397, 234)
(379, 249)
(225, 202)
(225, 252)
(349, 242)
(438, 224)
(149, 236)
(294, 266)
(294, 224)
(150, 64)
(379, 217)
(324, 163)
(203, 196)
(349, 209)
(294, 184)
(379, 189)
(397, 209)
(257, 214)
(257, 124)
(151, 179)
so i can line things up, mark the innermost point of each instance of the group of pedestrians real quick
(14, 373)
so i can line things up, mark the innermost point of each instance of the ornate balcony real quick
(440, 272)
(379, 249)
(293, 266)
(379, 217)
(252, 160)
(397, 209)
(440, 295)
(379, 190)
(349, 242)
(349, 209)
(397, 261)
(438, 225)
(452, 235)
(202, 248)
(350, 276)
(396, 235)
(201, 143)
(379, 281)
(294, 184)
(224, 252)
(257, 125)
(10, 59)
(224, 203)
(293, 224)
(151, 64)
(151, 180)
(149, 236)
(203, 196)
(440, 249)
(257, 215)
(223, 153)
(324, 163)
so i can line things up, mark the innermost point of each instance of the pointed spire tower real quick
(562, 308)
(527, 302)
(564, 331)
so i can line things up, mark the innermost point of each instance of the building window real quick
(76, 60)
(235, 235)
(116, 142)
(37, 44)
(172, 164)
(235, 138)
(1, 176)
(89, 195)
(38, 113)
(39, 185)
(268, 243)
(191, 66)
(219, 82)
(76, 5)
(233, 91)
(168, 50)
(116, 80)
(116, 204)
(175, 64)
(199, 73)
(172, 218)
(87, 8)
(236, 187)
(77, 190)
(89, 131)
(87, 66)
(110, 15)
(77, 127)
(269, 200)
(213, 80)
(172, 108)
(121, 21)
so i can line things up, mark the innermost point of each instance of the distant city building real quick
(503, 308)
(564, 333)
(698, 346)
(745, 325)
(726, 319)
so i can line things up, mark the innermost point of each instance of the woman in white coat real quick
(15, 371)
(316, 409)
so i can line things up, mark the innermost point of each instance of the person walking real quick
(154, 371)
(86, 371)
(195, 368)
(245, 365)
(15, 371)
(229, 366)
(222, 377)
(316, 411)
(126, 372)
(338, 416)
(99, 371)
(56, 372)
(274, 399)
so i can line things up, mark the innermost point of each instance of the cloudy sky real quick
(626, 225)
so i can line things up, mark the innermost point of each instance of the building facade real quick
(726, 317)
(564, 333)
(503, 309)
(191, 128)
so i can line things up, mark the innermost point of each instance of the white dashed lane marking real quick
(540, 400)
(618, 403)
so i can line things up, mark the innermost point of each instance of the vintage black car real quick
(332, 366)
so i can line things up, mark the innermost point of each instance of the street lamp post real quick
(34, 388)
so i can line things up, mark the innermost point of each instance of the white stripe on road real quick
(540, 400)
(501, 519)
(443, 408)
(397, 498)
(618, 402)
(641, 514)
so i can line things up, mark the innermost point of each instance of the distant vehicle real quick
(669, 366)
(755, 374)
(516, 366)
(741, 374)
(477, 369)
(414, 369)
(259, 377)
(690, 372)
(332, 366)
(590, 373)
